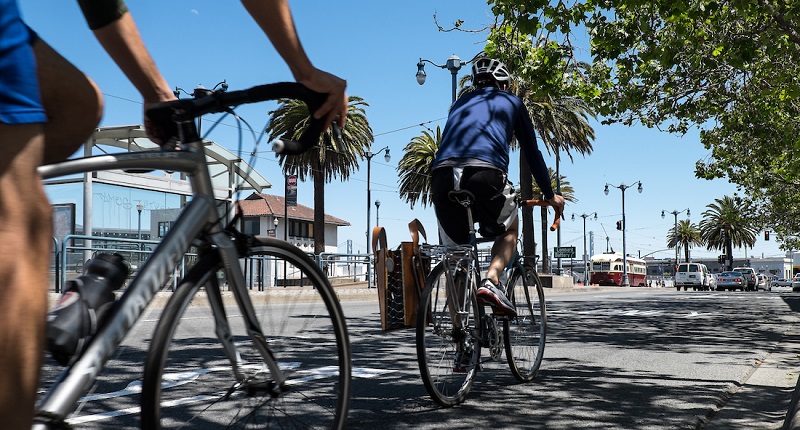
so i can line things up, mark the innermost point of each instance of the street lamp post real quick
(623, 187)
(675, 213)
(585, 253)
(453, 64)
(369, 156)
(377, 212)
(139, 208)
(275, 222)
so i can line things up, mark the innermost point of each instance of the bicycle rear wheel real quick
(188, 379)
(525, 334)
(448, 354)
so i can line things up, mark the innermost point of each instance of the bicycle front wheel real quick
(448, 351)
(525, 334)
(188, 378)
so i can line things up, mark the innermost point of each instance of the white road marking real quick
(175, 379)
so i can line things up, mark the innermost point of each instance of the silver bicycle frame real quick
(197, 219)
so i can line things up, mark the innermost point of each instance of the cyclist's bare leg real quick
(25, 236)
(73, 104)
(502, 252)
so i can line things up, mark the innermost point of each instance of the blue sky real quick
(375, 46)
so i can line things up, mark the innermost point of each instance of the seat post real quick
(466, 198)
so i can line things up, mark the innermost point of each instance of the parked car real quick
(782, 282)
(731, 280)
(750, 277)
(693, 275)
(712, 281)
(796, 282)
(761, 282)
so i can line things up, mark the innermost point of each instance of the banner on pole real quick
(291, 190)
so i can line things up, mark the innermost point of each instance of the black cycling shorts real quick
(495, 208)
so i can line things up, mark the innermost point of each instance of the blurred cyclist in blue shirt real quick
(473, 156)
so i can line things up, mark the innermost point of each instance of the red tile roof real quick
(258, 204)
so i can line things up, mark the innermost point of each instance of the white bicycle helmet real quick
(488, 68)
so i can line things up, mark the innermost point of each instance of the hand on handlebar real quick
(335, 106)
(557, 203)
(154, 132)
(167, 116)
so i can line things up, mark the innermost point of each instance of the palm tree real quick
(726, 224)
(563, 125)
(687, 236)
(569, 195)
(415, 167)
(331, 159)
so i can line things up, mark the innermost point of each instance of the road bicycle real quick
(277, 359)
(453, 327)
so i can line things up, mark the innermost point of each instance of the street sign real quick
(564, 252)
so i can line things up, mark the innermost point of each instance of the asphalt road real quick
(634, 358)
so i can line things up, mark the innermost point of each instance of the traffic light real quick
(619, 225)
(766, 235)
(721, 258)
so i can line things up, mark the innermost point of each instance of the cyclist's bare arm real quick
(275, 19)
(122, 41)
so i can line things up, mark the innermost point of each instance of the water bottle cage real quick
(73, 321)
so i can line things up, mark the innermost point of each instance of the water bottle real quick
(83, 306)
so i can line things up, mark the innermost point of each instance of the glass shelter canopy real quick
(228, 170)
(229, 173)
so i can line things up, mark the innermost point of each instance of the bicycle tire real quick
(188, 381)
(526, 334)
(441, 346)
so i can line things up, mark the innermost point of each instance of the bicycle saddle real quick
(463, 197)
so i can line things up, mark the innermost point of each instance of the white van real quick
(693, 275)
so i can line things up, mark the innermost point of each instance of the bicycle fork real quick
(230, 257)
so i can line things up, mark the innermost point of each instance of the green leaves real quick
(731, 68)
(415, 167)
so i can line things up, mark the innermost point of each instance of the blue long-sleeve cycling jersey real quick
(481, 125)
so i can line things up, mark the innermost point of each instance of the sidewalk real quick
(763, 398)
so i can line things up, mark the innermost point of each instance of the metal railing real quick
(73, 254)
(261, 272)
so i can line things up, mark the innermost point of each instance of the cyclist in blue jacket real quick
(473, 155)
(48, 108)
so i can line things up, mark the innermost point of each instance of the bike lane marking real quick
(187, 377)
